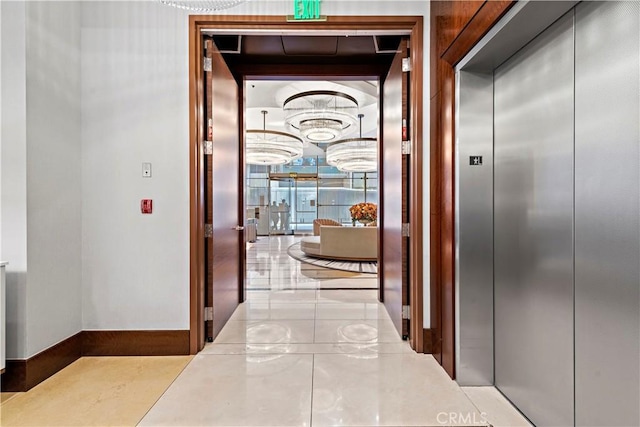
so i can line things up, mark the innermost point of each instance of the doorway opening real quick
(288, 197)
(309, 195)
(208, 263)
(301, 237)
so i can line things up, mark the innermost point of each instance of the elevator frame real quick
(474, 340)
(474, 283)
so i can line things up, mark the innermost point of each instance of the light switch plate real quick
(146, 170)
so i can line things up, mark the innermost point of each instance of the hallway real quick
(315, 353)
(309, 347)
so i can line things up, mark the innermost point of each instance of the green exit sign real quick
(306, 10)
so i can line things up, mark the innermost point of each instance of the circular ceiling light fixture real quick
(354, 154)
(321, 116)
(270, 147)
(202, 5)
(320, 130)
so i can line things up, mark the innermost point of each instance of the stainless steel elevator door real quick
(607, 219)
(533, 226)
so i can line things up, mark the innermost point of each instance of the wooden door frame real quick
(411, 25)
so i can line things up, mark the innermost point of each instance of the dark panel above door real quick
(308, 50)
(310, 45)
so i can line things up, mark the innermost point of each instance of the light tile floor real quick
(313, 347)
(309, 347)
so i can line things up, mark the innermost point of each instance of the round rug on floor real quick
(369, 267)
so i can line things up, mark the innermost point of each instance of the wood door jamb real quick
(277, 24)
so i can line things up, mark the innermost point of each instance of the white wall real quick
(54, 275)
(135, 97)
(134, 109)
(13, 172)
(0, 133)
(40, 186)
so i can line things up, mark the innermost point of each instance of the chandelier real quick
(270, 147)
(354, 154)
(320, 116)
(202, 5)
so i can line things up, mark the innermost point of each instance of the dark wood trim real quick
(135, 343)
(380, 189)
(242, 210)
(428, 338)
(14, 378)
(416, 217)
(447, 224)
(207, 96)
(434, 228)
(22, 375)
(488, 14)
(273, 22)
(196, 195)
(411, 25)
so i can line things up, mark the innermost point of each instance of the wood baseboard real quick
(428, 341)
(22, 375)
(135, 343)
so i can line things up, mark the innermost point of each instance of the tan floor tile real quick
(95, 391)
(5, 397)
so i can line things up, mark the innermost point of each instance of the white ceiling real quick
(270, 96)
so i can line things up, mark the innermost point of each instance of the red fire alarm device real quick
(146, 206)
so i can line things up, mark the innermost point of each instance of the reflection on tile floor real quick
(384, 389)
(231, 390)
(312, 347)
(301, 351)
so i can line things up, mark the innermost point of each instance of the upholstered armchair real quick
(322, 221)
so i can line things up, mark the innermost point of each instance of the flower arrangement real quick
(364, 212)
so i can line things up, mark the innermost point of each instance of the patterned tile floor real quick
(309, 347)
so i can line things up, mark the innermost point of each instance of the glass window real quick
(328, 196)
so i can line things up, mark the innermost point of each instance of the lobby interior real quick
(484, 267)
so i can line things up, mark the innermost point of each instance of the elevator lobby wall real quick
(40, 173)
(135, 109)
(104, 89)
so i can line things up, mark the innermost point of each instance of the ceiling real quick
(269, 95)
(321, 54)
(274, 49)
